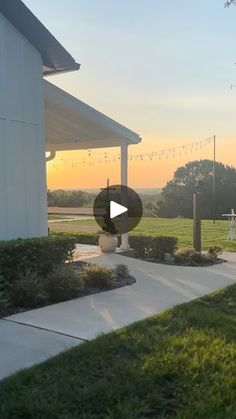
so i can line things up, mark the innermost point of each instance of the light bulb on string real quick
(171, 152)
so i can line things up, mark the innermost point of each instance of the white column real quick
(124, 181)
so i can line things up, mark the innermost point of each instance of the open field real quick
(180, 228)
(179, 364)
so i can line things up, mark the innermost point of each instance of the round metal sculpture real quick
(232, 224)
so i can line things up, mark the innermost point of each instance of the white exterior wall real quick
(23, 200)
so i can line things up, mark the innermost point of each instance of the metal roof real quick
(54, 56)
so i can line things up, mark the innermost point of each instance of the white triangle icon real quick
(116, 209)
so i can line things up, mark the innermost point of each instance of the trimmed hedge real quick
(40, 255)
(146, 247)
(80, 238)
(151, 247)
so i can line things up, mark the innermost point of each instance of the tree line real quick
(70, 199)
(176, 198)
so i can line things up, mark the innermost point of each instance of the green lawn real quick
(180, 228)
(180, 364)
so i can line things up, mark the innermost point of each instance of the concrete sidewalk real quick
(24, 346)
(67, 324)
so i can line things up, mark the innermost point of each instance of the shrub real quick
(40, 255)
(98, 277)
(214, 252)
(151, 247)
(122, 277)
(3, 284)
(62, 284)
(3, 304)
(190, 257)
(121, 272)
(27, 290)
(3, 295)
(81, 238)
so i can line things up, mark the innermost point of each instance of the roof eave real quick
(53, 72)
(55, 57)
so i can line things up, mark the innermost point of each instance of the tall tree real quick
(177, 196)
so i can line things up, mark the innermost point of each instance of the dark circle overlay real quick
(122, 195)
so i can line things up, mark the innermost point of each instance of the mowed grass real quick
(212, 234)
(180, 364)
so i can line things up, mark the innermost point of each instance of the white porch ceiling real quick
(73, 125)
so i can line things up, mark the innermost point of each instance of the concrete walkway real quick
(31, 337)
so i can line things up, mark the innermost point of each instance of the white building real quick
(36, 116)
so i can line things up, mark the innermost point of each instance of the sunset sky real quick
(163, 69)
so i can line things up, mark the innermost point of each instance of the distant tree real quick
(150, 209)
(50, 199)
(73, 199)
(149, 203)
(176, 198)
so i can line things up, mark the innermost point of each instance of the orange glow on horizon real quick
(142, 174)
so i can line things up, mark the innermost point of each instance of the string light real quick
(164, 154)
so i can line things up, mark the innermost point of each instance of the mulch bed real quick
(79, 265)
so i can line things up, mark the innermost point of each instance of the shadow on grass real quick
(180, 364)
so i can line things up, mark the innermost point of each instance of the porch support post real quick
(124, 181)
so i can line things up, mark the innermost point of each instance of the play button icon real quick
(117, 209)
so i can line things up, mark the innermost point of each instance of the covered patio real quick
(73, 125)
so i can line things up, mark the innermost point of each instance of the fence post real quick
(197, 222)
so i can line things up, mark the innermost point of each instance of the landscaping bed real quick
(161, 249)
(190, 257)
(38, 272)
(179, 364)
